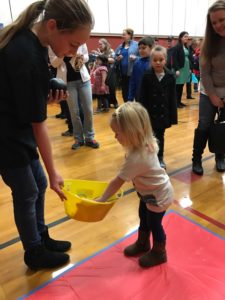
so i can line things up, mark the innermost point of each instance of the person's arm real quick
(208, 85)
(84, 53)
(111, 57)
(112, 188)
(103, 85)
(45, 149)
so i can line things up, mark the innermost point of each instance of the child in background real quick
(158, 96)
(99, 88)
(140, 66)
(133, 131)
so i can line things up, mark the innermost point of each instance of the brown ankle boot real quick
(141, 245)
(154, 257)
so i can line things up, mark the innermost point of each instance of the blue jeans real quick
(81, 91)
(207, 112)
(28, 185)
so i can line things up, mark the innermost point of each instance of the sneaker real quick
(77, 145)
(67, 133)
(93, 144)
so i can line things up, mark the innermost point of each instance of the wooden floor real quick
(207, 194)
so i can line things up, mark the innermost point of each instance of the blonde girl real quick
(131, 126)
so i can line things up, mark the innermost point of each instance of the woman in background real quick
(181, 65)
(126, 55)
(79, 88)
(212, 84)
(104, 48)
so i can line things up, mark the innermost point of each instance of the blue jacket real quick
(140, 66)
(133, 49)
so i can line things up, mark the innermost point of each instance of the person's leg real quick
(125, 87)
(61, 115)
(159, 134)
(28, 203)
(157, 255)
(41, 182)
(112, 96)
(105, 103)
(99, 104)
(179, 92)
(73, 89)
(142, 244)
(85, 97)
(189, 88)
(69, 132)
(28, 185)
(206, 116)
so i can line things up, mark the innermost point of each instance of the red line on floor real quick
(201, 215)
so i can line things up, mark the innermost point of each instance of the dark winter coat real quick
(176, 57)
(159, 98)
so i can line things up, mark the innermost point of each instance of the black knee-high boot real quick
(200, 140)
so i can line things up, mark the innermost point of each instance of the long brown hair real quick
(69, 15)
(211, 39)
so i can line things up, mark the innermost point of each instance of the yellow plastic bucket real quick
(80, 204)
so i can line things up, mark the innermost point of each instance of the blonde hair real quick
(107, 47)
(159, 49)
(69, 15)
(209, 47)
(133, 121)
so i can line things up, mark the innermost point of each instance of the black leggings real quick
(151, 221)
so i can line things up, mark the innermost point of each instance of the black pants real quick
(125, 87)
(103, 101)
(159, 134)
(179, 92)
(152, 222)
(112, 96)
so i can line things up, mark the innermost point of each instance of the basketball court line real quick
(127, 192)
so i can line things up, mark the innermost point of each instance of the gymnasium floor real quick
(201, 199)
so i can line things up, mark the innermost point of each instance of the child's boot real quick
(141, 245)
(154, 257)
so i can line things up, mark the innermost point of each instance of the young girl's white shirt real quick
(143, 169)
(60, 65)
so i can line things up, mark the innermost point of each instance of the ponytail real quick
(25, 20)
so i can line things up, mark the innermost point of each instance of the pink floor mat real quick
(195, 270)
